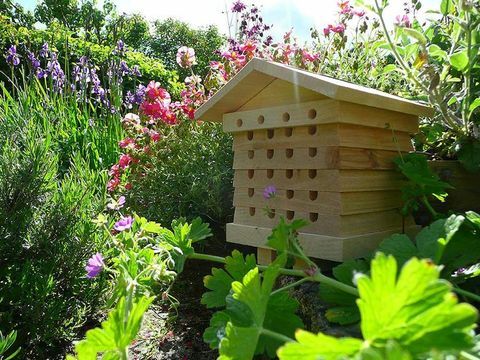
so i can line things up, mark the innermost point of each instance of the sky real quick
(283, 14)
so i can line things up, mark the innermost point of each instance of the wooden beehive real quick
(326, 145)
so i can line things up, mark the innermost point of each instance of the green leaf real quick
(473, 217)
(427, 239)
(152, 227)
(459, 60)
(116, 333)
(469, 155)
(314, 347)
(473, 105)
(447, 7)
(220, 281)
(400, 246)
(417, 309)
(436, 52)
(217, 329)
(417, 35)
(252, 308)
(283, 237)
(199, 230)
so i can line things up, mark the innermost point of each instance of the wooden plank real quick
(280, 92)
(265, 256)
(320, 202)
(325, 180)
(381, 118)
(316, 246)
(309, 113)
(324, 224)
(345, 135)
(326, 157)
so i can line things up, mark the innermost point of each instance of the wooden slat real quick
(326, 224)
(328, 157)
(345, 135)
(317, 246)
(326, 180)
(265, 256)
(321, 202)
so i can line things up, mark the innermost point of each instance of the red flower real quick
(113, 183)
(126, 143)
(124, 161)
(155, 136)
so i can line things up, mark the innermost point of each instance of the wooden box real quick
(326, 145)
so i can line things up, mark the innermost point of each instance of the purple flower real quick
(44, 50)
(269, 192)
(12, 56)
(238, 6)
(124, 223)
(94, 265)
(33, 60)
(136, 70)
(116, 205)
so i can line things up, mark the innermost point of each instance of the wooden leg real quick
(265, 256)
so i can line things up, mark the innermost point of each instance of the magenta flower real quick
(403, 21)
(124, 223)
(340, 28)
(94, 265)
(238, 6)
(269, 192)
(124, 161)
(186, 57)
(360, 13)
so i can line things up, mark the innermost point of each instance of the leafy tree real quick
(170, 34)
(16, 13)
(133, 29)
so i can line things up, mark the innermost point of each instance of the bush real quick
(50, 189)
(190, 175)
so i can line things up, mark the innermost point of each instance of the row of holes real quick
(313, 195)
(312, 152)
(312, 114)
(312, 130)
(290, 214)
(312, 173)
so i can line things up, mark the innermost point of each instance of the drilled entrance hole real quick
(271, 213)
(312, 174)
(249, 135)
(290, 214)
(251, 191)
(312, 152)
(250, 173)
(313, 217)
(289, 173)
(288, 132)
(312, 130)
(239, 122)
(270, 153)
(261, 119)
(312, 114)
(269, 173)
(286, 116)
(290, 194)
(251, 211)
(251, 153)
(270, 133)
(313, 195)
(288, 153)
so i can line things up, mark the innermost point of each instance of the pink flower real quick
(306, 56)
(124, 223)
(248, 47)
(360, 13)
(114, 170)
(403, 21)
(128, 186)
(155, 136)
(126, 143)
(124, 161)
(131, 118)
(326, 31)
(168, 117)
(269, 192)
(152, 109)
(156, 93)
(345, 7)
(235, 57)
(339, 29)
(95, 265)
(186, 57)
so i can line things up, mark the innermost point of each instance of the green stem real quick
(124, 353)
(275, 335)
(429, 207)
(467, 294)
(318, 277)
(292, 285)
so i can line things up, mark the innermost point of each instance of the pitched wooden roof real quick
(258, 74)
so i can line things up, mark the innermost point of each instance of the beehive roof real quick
(258, 74)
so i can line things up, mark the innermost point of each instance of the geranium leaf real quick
(220, 281)
(313, 347)
(400, 246)
(284, 236)
(216, 331)
(417, 310)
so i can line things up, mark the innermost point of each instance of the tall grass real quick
(53, 152)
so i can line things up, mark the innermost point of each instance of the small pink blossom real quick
(95, 265)
(248, 47)
(127, 142)
(339, 29)
(327, 30)
(403, 21)
(307, 56)
(156, 93)
(124, 223)
(269, 192)
(155, 136)
(345, 7)
(116, 205)
(113, 184)
(186, 57)
(124, 161)
(359, 12)
(131, 118)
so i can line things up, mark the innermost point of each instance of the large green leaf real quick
(417, 309)
(284, 236)
(220, 282)
(459, 60)
(400, 246)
